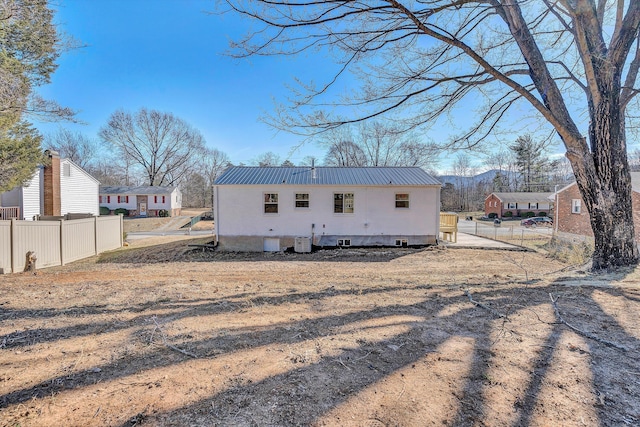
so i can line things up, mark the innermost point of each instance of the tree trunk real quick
(605, 185)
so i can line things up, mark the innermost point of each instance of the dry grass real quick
(168, 335)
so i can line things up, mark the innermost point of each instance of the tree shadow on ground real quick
(311, 386)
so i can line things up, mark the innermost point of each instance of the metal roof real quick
(524, 197)
(143, 189)
(305, 175)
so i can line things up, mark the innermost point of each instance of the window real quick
(344, 242)
(512, 206)
(123, 199)
(533, 206)
(402, 200)
(343, 203)
(402, 242)
(66, 169)
(576, 205)
(270, 202)
(302, 200)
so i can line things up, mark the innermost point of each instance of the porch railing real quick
(9, 213)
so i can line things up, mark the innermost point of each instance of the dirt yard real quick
(171, 335)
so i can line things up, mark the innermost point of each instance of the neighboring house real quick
(273, 208)
(60, 188)
(572, 216)
(518, 203)
(142, 200)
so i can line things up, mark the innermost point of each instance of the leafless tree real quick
(267, 159)
(565, 60)
(75, 146)
(163, 145)
(377, 144)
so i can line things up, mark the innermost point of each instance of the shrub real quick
(122, 211)
(542, 214)
(163, 213)
(508, 214)
(528, 214)
(493, 215)
(104, 210)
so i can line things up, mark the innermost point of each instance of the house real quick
(57, 189)
(142, 200)
(517, 204)
(572, 216)
(273, 208)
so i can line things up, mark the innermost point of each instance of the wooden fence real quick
(57, 242)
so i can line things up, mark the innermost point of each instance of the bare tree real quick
(267, 159)
(566, 60)
(75, 146)
(163, 145)
(377, 144)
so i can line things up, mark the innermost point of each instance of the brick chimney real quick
(52, 205)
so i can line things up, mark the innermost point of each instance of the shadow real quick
(182, 251)
(311, 386)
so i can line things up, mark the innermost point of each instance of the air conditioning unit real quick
(302, 244)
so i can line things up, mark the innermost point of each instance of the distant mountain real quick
(484, 176)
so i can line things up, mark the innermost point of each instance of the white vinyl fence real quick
(57, 242)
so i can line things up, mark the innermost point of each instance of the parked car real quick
(537, 221)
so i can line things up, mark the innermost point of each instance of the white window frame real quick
(512, 206)
(344, 206)
(533, 206)
(268, 199)
(298, 201)
(402, 201)
(402, 243)
(576, 206)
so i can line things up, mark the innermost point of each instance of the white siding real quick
(32, 196)
(78, 191)
(240, 211)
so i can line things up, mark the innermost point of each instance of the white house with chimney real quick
(58, 189)
(275, 208)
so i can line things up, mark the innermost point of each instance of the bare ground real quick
(164, 334)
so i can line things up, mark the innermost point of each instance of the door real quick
(271, 244)
(142, 209)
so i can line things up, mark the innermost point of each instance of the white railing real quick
(9, 213)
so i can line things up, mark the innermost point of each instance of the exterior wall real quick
(241, 223)
(79, 191)
(32, 195)
(569, 222)
(113, 204)
(493, 204)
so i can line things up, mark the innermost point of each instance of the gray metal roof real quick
(304, 175)
(524, 197)
(142, 190)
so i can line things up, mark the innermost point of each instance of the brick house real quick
(572, 216)
(518, 203)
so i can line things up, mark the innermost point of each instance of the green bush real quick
(493, 215)
(104, 210)
(163, 213)
(542, 214)
(508, 214)
(122, 211)
(528, 214)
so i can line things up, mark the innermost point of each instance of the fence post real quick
(12, 237)
(62, 242)
(95, 235)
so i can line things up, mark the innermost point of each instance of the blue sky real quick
(169, 55)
